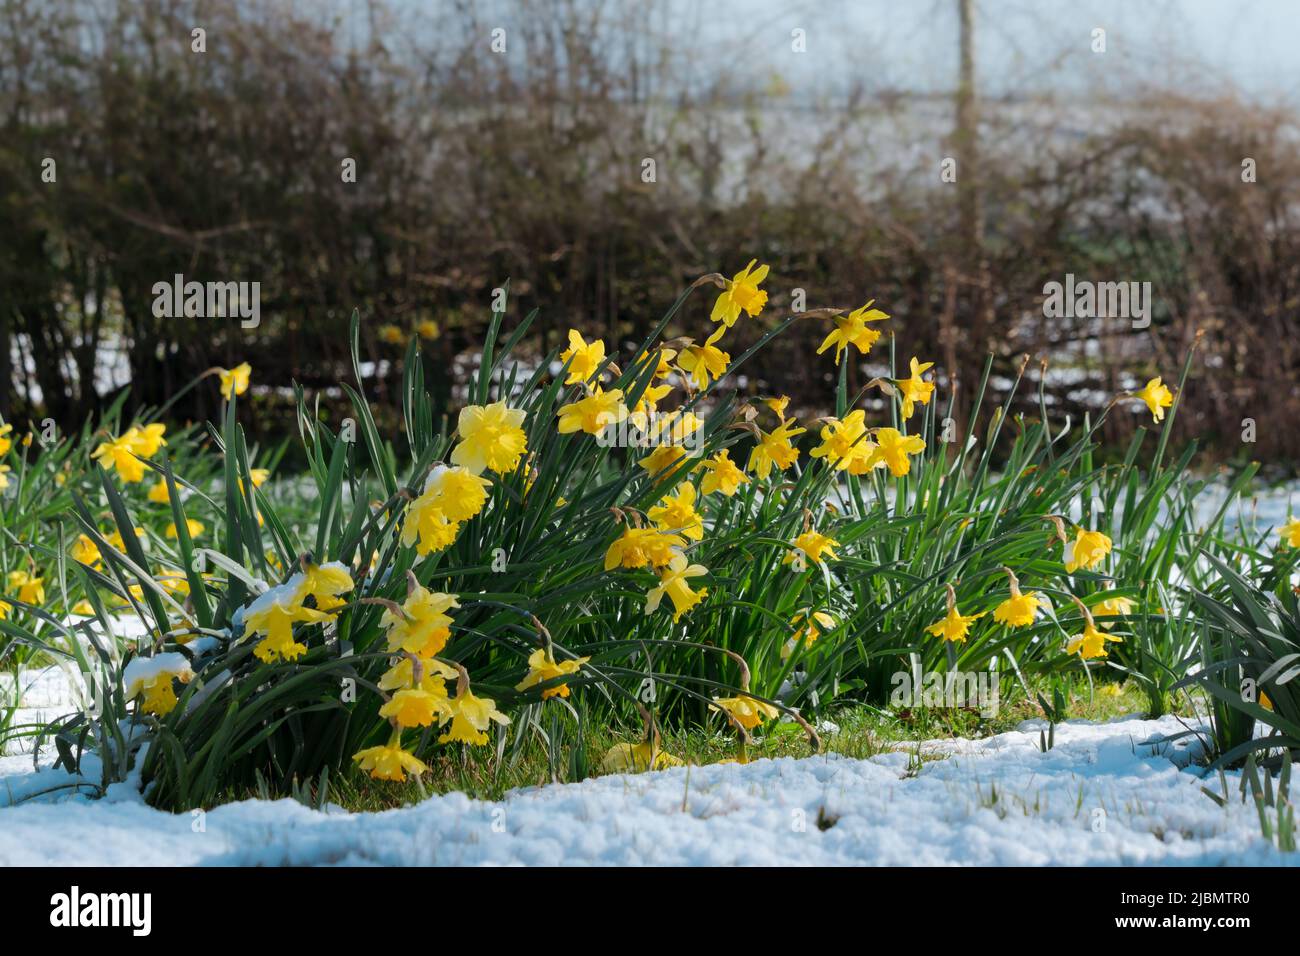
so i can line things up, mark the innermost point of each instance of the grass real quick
(862, 732)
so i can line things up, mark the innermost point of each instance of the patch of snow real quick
(1106, 794)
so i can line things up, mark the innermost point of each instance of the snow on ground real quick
(1106, 794)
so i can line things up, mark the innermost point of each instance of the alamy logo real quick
(950, 690)
(1098, 300)
(75, 909)
(208, 300)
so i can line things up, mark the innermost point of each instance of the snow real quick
(1106, 794)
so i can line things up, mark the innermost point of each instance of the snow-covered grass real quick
(1108, 793)
(1105, 794)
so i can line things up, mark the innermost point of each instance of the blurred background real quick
(809, 135)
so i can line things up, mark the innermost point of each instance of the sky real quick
(1023, 46)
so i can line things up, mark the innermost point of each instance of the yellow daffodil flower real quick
(677, 513)
(150, 679)
(639, 547)
(915, 390)
(86, 551)
(814, 546)
(774, 448)
(721, 474)
(746, 711)
(741, 294)
(1157, 397)
(1086, 551)
(845, 444)
(1291, 532)
(703, 363)
(29, 588)
(593, 414)
(195, 528)
(893, 448)
(120, 453)
(812, 628)
(584, 358)
(234, 381)
(674, 581)
(491, 437)
(1019, 609)
(389, 762)
(542, 667)
(470, 717)
(852, 329)
(425, 627)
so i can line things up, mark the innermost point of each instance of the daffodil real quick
(234, 381)
(1086, 551)
(542, 667)
(459, 493)
(423, 627)
(86, 551)
(418, 706)
(120, 453)
(158, 493)
(470, 717)
(1091, 643)
(491, 437)
(150, 679)
(746, 711)
(721, 474)
(1157, 397)
(641, 547)
(814, 546)
(594, 413)
(677, 513)
(273, 615)
(742, 293)
(637, 758)
(915, 390)
(1019, 609)
(6, 607)
(954, 626)
(584, 358)
(427, 527)
(5, 441)
(146, 441)
(4, 477)
(194, 528)
(774, 448)
(389, 762)
(392, 335)
(1291, 532)
(29, 588)
(852, 329)
(433, 674)
(703, 363)
(663, 458)
(1116, 606)
(893, 448)
(845, 444)
(325, 583)
(808, 627)
(674, 581)
(427, 329)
